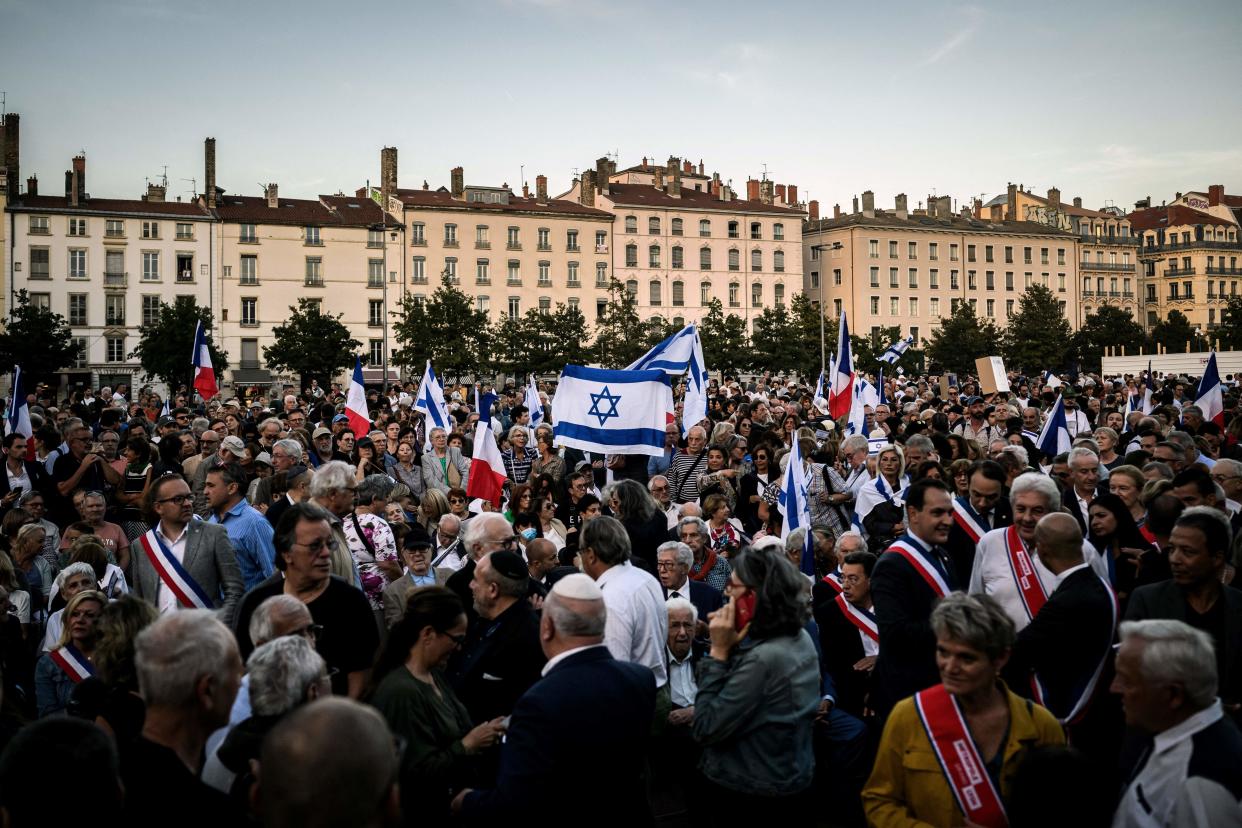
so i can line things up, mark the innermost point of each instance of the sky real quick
(1104, 101)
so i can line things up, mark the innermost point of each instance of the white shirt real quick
(681, 684)
(1060, 579)
(452, 560)
(993, 576)
(1162, 794)
(22, 479)
(557, 659)
(166, 600)
(637, 625)
(682, 591)
(871, 647)
(1076, 423)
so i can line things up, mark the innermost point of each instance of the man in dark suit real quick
(297, 480)
(558, 723)
(501, 657)
(1084, 479)
(983, 509)
(20, 475)
(848, 649)
(673, 562)
(1198, 551)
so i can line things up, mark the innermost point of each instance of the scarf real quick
(709, 563)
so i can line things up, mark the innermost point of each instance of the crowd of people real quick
(245, 611)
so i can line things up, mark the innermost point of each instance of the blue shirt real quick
(251, 536)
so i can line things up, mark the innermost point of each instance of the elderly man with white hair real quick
(1084, 466)
(1007, 565)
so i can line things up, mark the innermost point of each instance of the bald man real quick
(1059, 657)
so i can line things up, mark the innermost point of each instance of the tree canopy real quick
(38, 340)
(1107, 327)
(1038, 337)
(165, 348)
(961, 338)
(311, 344)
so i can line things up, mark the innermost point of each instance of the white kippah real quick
(578, 586)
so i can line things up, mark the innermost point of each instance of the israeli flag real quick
(681, 353)
(612, 412)
(795, 507)
(165, 411)
(533, 402)
(819, 401)
(430, 403)
(869, 393)
(1051, 380)
(1054, 438)
(895, 350)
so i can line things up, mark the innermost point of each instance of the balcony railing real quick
(1088, 294)
(313, 281)
(1203, 245)
(1223, 271)
(113, 279)
(249, 365)
(572, 248)
(1116, 267)
(115, 320)
(1089, 238)
(185, 276)
(1180, 271)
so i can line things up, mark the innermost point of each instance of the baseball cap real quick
(264, 458)
(340, 418)
(321, 432)
(234, 446)
(973, 400)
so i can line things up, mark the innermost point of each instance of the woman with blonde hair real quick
(72, 662)
(433, 506)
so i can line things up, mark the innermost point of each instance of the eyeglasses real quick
(659, 488)
(666, 564)
(317, 546)
(178, 499)
(459, 639)
(310, 631)
(456, 500)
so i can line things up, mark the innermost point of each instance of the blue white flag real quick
(430, 403)
(819, 400)
(533, 402)
(795, 507)
(1051, 380)
(879, 385)
(868, 393)
(19, 411)
(895, 350)
(1054, 438)
(165, 411)
(483, 404)
(681, 353)
(612, 412)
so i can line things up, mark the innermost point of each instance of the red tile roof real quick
(1175, 215)
(357, 211)
(645, 195)
(254, 210)
(60, 204)
(442, 199)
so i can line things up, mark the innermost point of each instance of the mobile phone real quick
(744, 610)
(16, 491)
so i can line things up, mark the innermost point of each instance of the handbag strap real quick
(681, 484)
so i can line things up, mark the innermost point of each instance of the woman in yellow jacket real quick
(982, 730)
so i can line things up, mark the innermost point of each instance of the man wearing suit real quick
(1085, 477)
(983, 509)
(907, 581)
(558, 723)
(1198, 551)
(673, 562)
(849, 650)
(203, 550)
(297, 481)
(416, 554)
(20, 475)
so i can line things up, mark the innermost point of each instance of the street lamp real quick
(823, 364)
(382, 228)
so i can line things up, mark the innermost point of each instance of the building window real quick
(778, 261)
(38, 225)
(678, 258)
(450, 270)
(515, 307)
(735, 259)
(1043, 255)
(1008, 308)
(150, 229)
(247, 234)
(150, 310)
(481, 276)
(875, 306)
(873, 249)
(679, 293)
(77, 309)
(545, 274)
(418, 234)
(375, 273)
(1008, 254)
(734, 287)
(514, 272)
(81, 359)
(913, 277)
(185, 231)
(972, 282)
(571, 241)
(778, 294)
(1061, 256)
(953, 282)
(778, 231)
(375, 313)
(756, 230)
(875, 277)
(988, 253)
(705, 228)
(653, 256)
(601, 274)
(914, 306)
(77, 264)
(653, 226)
(601, 241)
(991, 308)
(114, 350)
(312, 236)
(676, 227)
(933, 278)
(1008, 280)
(934, 306)
(543, 239)
(631, 224)
(418, 270)
(989, 280)
(705, 258)
(912, 250)
(314, 271)
(114, 228)
(248, 273)
(733, 230)
(836, 277)
(892, 278)
(631, 255)
(892, 249)
(705, 293)
(375, 352)
(654, 293)
(756, 260)
(933, 250)
(375, 238)
(77, 227)
(545, 305)
(953, 257)
(836, 308)
(756, 295)
(40, 263)
(1026, 255)
(481, 240)
(482, 304)
(970, 253)
(250, 311)
(450, 235)
(150, 266)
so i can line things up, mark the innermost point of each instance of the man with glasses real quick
(21, 475)
(1228, 475)
(1085, 477)
(658, 487)
(79, 469)
(673, 562)
(205, 569)
(321, 447)
(848, 634)
(567, 508)
(208, 444)
(34, 503)
(347, 637)
(484, 534)
(448, 552)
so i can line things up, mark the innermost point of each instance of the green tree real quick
(509, 354)
(1174, 332)
(39, 341)
(1230, 330)
(447, 329)
(726, 345)
(775, 344)
(960, 339)
(1107, 327)
(806, 321)
(311, 344)
(620, 335)
(165, 348)
(1038, 337)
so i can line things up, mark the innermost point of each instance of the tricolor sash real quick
(918, 559)
(1030, 588)
(1083, 699)
(955, 750)
(833, 579)
(174, 576)
(971, 524)
(865, 621)
(1148, 535)
(70, 659)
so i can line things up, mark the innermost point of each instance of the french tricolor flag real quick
(487, 469)
(356, 403)
(841, 391)
(1209, 397)
(19, 411)
(204, 375)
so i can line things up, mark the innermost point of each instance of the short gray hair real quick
(477, 526)
(698, 523)
(919, 441)
(796, 540)
(262, 627)
(178, 649)
(1019, 453)
(853, 443)
(281, 672)
(607, 538)
(1081, 452)
(569, 621)
(682, 605)
(974, 620)
(681, 553)
(1176, 653)
(375, 487)
(1036, 482)
(79, 568)
(335, 475)
(853, 533)
(292, 447)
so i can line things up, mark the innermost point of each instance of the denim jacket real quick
(754, 715)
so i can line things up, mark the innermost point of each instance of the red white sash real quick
(921, 565)
(174, 576)
(1079, 707)
(70, 659)
(1030, 588)
(833, 579)
(1149, 535)
(865, 621)
(963, 768)
(967, 520)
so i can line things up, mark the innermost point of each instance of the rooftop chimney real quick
(836, 211)
(155, 192)
(1054, 197)
(673, 185)
(601, 173)
(1216, 195)
(780, 194)
(1077, 201)
(79, 172)
(713, 186)
(525, 190)
(855, 210)
(868, 204)
(457, 179)
(977, 210)
(766, 191)
(791, 193)
(701, 166)
(997, 213)
(657, 177)
(71, 188)
(813, 210)
(541, 188)
(388, 174)
(687, 167)
(944, 207)
(899, 204)
(209, 170)
(12, 155)
(32, 186)
(1011, 203)
(271, 193)
(587, 191)
(752, 189)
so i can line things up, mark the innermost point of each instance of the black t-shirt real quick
(65, 467)
(349, 639)
(160, 789)
(1212, 622)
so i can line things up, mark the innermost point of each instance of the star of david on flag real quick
(611, 412)
(601, 397)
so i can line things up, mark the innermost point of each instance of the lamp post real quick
(383, 233)
(823, 364)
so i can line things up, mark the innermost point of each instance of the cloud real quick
(972, 21)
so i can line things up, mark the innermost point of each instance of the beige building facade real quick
(910, 269)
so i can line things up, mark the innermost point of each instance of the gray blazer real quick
(397, 593)
(211, 563)
(433, 474)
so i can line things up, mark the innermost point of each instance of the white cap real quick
(578, 586)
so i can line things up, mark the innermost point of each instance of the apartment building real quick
(910, 268)
(683, 238)
(1190, 255)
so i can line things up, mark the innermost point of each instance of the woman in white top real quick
(888, 487)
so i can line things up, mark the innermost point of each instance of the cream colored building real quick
(1190, 255)
(910, 269)
(683, 238)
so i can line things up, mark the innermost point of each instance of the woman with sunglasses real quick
(549, 526)
(343, 447)
(751, 488)
(368, 462)
(458, 502)
(409, 689)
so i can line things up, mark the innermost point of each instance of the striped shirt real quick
(518, 468)
(683, 476)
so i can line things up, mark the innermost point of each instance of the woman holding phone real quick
(758, 695)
